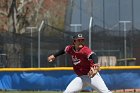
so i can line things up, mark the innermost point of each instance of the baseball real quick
(50, 60)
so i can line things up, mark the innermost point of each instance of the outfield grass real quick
(36, 92)
(51, 92)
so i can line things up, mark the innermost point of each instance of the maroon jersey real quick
(80, 59)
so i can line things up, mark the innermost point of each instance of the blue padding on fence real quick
(58, 80)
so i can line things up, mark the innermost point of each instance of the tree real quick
(19, 14)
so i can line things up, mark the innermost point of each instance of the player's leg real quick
(98, 84)
(74, 86)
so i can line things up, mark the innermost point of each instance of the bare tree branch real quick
(23, 4)
(3, 13)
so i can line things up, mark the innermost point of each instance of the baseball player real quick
(85, 66)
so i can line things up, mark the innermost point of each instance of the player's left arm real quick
(94, 61)
(95, 67)
(93, 57)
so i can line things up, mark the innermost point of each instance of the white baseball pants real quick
(77, 84)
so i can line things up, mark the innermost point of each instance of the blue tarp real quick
(58, 80)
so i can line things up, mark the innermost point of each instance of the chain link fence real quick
(21, 50)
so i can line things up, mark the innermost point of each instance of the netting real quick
(21, 50)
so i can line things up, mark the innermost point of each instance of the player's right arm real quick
(52, 57)
(67, 49)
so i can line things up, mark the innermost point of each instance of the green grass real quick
(37, 92)
(51, 92)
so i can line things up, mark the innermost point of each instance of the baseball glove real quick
(94, 70)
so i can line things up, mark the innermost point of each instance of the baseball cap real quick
(78, 36)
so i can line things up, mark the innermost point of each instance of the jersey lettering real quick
(75, 60)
